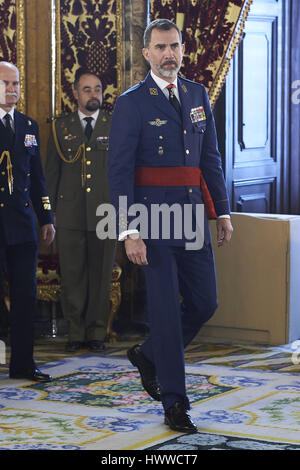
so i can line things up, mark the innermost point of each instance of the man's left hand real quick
(224, 231)
(48, 234)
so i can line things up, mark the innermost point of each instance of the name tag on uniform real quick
(30, 140)
(197, 114)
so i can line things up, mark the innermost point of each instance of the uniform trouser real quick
(86, 267)
(20, 262)
(173, 272)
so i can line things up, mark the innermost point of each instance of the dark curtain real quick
(8, 43)
(89, 40)
(211, 32)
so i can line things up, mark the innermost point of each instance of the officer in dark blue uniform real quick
(163, 149)
(22, 192)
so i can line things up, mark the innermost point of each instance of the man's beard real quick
(168, 73)
(93, 104)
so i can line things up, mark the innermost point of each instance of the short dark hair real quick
(80, 72)
(162, 24)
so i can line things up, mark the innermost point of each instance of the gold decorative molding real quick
(55, 58)
(115, 299)
(220, 77)
(49, 290)
(119, 21)
(58, 59)
(21, 48)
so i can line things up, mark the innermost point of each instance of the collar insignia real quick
(153, 91)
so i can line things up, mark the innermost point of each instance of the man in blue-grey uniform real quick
(163, 149)
(23, 195)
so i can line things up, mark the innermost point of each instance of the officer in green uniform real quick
(76, 175)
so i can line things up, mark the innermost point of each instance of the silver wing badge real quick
(157, 122)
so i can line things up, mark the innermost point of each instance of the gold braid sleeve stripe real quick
(80, 150)
(10, 178)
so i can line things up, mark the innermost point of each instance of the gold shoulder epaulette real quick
(54, 118)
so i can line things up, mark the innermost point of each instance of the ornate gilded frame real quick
(56, 95)
(21, 48)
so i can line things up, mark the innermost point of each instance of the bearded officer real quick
(76, 174)
(163, 149)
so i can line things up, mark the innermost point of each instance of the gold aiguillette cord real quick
(10, 178)
(80, 150)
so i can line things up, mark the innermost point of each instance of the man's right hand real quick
(136, 251)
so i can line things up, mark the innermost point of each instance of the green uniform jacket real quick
(75, 205)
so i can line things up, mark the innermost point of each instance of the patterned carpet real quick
(243, 397)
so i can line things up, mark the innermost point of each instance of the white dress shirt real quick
(162, 84)
(84, 122)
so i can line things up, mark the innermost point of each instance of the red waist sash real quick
(176, 176)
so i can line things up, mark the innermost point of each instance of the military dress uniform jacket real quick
(147, 131)
(75, 200)
(29, 193)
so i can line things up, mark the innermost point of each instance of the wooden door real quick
(254, 145)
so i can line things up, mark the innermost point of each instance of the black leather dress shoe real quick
(95, 345)
(179, 420)
(73, 346)
(146, 370)
(35, 375)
